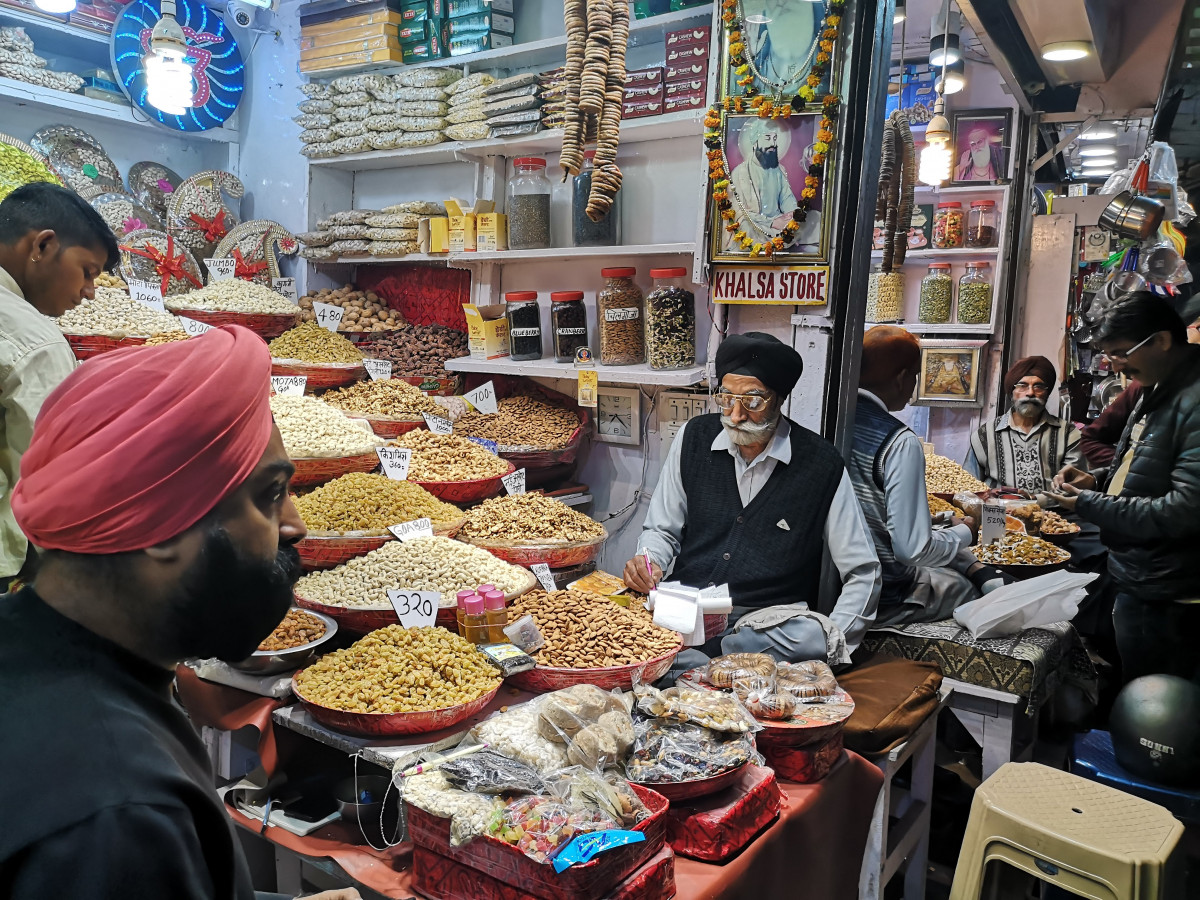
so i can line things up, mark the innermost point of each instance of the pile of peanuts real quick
(311, 343)
(399, 670)
(391, 398)
(944, 476)
(528, 518)
(587, 631)
(522, 422)
(424, 564)
(358, 501)
(297, 629)
(113, 312)
(313, 429)
(447, 457)
(234, 295)
(365, 311)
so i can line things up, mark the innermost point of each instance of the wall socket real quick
(674, 409)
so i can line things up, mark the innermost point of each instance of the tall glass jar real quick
(585, 232)
(937, 295)
(670, 321)
(619, 318)
(975, 295)
(529, 205)
(885, 295)
(981, 224)
(948, 226)
(524, 325)
(568, 317)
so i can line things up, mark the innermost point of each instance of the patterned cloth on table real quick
(1033, 664)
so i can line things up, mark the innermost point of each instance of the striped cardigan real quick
(1004, 456)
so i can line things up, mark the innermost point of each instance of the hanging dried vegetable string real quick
(908, 171)
(575, 17)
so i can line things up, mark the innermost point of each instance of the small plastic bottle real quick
(462, 596)
(497, 616)
(483, 589)
(474, 624)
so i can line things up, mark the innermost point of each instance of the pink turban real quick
(138, 445)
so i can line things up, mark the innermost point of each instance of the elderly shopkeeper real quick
(751, 499)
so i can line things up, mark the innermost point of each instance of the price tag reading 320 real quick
(416, 609)
(395, 461)
(328, 316)
(542, 571)
(992, 528)
(285, 385)
(483, 398)
(147, 293)
(438, 424)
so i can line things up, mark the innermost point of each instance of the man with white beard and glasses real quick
(1027, 446)
(983, 160)
(750, 499)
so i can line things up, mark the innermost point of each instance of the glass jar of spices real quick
(529, 205)
(981, 224)
(524, 325)
(670, 321)
(975, 295)
(619, 318)
(585, 232)
(568, 316)
(948, 226)
(937, 295)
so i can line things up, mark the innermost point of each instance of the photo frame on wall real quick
(768, 162)
(950, 373)
(982, 144)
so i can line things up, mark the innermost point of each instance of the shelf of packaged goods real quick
(552, 254)
(635, 131)
(948, 328)
(540, 54)
(40, 26)
(935, 255)
(959, 189)
(76, 106)
(548, 368)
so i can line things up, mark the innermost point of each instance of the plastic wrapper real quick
(723, 671)
(594, 725)
(314, 120)
(510, 660)
(347, 129)
(581, 848)
(674, 752)
(515, 734)
(970, 504)
(538, 826)
(317, 91)
(427, 78)
(489, 772)
(582, 788)
(479, 80)
(470, 814)
(710, 709)
(315, 106)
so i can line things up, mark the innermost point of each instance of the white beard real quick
(981, 159)
(748, 434)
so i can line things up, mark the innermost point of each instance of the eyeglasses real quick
(1124, 357)
(750, 402)
(1038, 388)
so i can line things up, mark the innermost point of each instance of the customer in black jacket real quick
(1147, 504)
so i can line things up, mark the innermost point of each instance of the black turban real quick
(760, 356)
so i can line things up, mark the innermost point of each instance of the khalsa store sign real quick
(785, 285)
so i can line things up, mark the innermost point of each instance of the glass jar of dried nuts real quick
(670, 321)
(619, 317)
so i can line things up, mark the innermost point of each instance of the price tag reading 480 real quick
(483, 398)
(328, 316)
(395, 461)
(416, 609)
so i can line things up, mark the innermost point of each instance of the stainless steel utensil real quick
(1132, 217)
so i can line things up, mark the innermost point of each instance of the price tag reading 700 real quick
(483, 398)
(416, 609)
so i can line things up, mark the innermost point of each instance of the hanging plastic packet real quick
(507, 658)
(582, 847)
(525, 634)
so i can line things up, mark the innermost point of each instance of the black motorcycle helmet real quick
(1155, 725)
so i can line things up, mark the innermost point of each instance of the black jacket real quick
(1152, 529)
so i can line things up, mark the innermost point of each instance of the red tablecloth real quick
(813, 850)
(229, 709)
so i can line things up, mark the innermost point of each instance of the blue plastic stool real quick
(1093, 759)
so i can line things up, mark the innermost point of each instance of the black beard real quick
(227, 604)
(768, 158)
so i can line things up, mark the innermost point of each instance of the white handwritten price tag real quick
(483, 398)
(220, 268)
(289, 385)
(542, 571)
(514, 482)
(438, 424)
(622, 314)
(147, 293)
(417, 528)
(195, 329)
(395, 461)
(378, 369)
(328, 316)
(286, 287)
(416, 609)
(992, 528)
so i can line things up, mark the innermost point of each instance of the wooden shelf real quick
(958, 189)
(964, 252)
(539, 54)
(949, 328)
(548, 368)
(653, 128)
(41, 24)
(72, 107)
(551, 254)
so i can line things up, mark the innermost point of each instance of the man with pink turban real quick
(156, 489)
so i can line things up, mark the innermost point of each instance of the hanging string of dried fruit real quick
(904, 140)
(897, 181)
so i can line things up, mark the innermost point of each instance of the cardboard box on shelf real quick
(653, 92)
(681, 102)
(686, 37)
(423, 11)
(321, 12)
(375, 43)
(463, 224)
(423, 31)
(359, 58)
(644, 77)
(687, 71)
(690, 55)
(433, 234)
(385, 17)
(477, 43)
(419, 51)
(472, 7)
(491, 232)
(641, 108)
(691, 86)
(482, 23)
(487, 331)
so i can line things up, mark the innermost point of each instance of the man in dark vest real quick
(750, 499)
(927, 572)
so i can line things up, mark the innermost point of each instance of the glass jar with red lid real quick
(981, 224)
(568, 317)
(619, 318)
(948, 226)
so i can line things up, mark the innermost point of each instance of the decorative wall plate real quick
(155, 256)
(153, 184)
(124, 214)
(79, 159)
(20, 164)
(199, 216)
(256, 246)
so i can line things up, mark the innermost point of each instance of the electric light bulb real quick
(935, 164)
(58, 7)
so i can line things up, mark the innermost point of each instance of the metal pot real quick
(1132, 217)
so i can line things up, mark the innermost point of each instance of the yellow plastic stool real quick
(1086, 838)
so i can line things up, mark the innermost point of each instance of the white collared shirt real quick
(846, 536)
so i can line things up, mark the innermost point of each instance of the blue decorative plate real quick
(217, 68)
